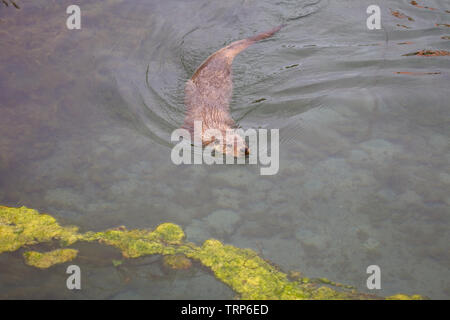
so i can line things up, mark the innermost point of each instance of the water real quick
(86, 118)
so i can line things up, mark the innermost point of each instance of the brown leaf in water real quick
(400, 15)
(416, 73)
(429, 53)
(414, 3)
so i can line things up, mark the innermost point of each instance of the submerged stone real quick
(177, 261)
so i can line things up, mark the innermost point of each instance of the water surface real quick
(86, 117)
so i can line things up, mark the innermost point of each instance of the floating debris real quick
(334, 284)
(406, 42)
(292, 66)
(403, 26)
(414, 3)
(429, 53)
(259, 100)
(416, 73)
(445, 37)
(400, 15)
(370, 45)
(443, 25)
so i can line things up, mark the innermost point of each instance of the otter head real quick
(230, 143)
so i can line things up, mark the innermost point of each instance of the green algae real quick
(116, 263)
(22, 226)
(242, 269)
(178, 261)
(255, 278)
(165, 239)
(47, 259)
(405, 297)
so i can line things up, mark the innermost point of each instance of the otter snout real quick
(245, 150)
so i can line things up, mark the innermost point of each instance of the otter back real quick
(208, 92)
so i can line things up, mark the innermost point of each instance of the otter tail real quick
(266, 34)
(236, 47)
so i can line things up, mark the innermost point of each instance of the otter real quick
(208, 94)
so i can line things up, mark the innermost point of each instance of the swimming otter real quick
(207, 97)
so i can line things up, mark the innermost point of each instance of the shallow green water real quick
(86, 117)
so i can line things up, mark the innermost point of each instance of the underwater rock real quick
(197, 231)
(311, 239)
(380, 150)
(64, 199)
(439, 142)
(358, 156)
(236, 177)
(227, 198)
(444, 177)
(128, 295)
(223, 221)
(410, 197)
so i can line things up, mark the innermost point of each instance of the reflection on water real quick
(364, 179)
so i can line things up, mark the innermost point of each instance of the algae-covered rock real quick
(223, 221)
(170, 232)
(47, 259)
(178, 261)
(165, 239)
(23, 226)
(116, 263)
(242, 269)
(254, 278)
(405, 297)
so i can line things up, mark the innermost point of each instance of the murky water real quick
(86, 117)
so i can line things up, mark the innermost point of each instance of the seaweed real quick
(47, 259)
(243, 270)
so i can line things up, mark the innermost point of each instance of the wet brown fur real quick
(208, 92)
